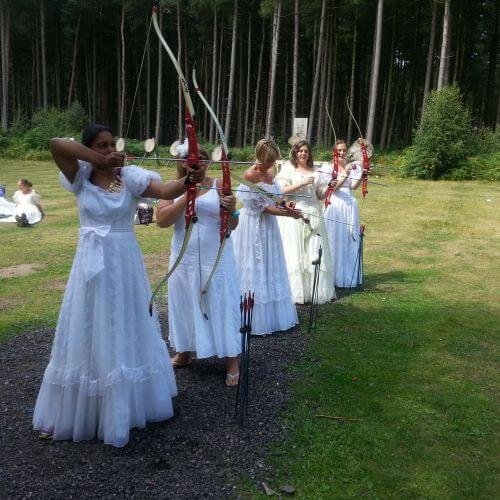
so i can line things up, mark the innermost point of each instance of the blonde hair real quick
(267, 150)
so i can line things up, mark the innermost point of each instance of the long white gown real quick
(345, 238)
(22, 204)
(261, 261)
(189, 330)
(301, 244)
(109, 369)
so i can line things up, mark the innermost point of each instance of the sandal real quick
(45, 435)
(232, 380)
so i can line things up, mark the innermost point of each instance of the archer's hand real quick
(111, 160)
(307, 180)
(228, 202)
(195, 176)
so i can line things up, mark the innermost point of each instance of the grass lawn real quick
(410, 359)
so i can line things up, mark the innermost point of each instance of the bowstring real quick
(146, 46)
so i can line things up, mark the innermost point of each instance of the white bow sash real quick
(91, 240)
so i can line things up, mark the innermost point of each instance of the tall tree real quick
(372, 103)
(295, 64)
(274, 62)
(232, 70)
(5, 56)
(430, 56)
(44, 57)
(443, 62)
(317, 72)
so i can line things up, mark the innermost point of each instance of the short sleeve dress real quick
(109, 369)
(261, 261)
(301, 243)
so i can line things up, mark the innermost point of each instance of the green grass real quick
(413, 354)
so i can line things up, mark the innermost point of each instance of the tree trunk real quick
(249, 70)
(257, 89)
(285, 101)
(491, 105)
(73, 62)
(372, 103)
(388, 93)
(159, 84)
(147, 130)
(239, 130)
(231, 73)
(180, 116)
(295, 59)
(274, 60)
(322, 89)
(353, 73)
(444, 46)
(430, 56)
(57, 70)
(5, 55)
(211, 135)
(44, 58)
(121, 115)
(317, 71)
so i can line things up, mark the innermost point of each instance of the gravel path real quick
(199, 453)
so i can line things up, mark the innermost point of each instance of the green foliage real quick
(54, 123)
(444, 138)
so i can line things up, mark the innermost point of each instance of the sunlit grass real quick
(413, 355)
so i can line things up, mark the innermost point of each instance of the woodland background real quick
(259, 62)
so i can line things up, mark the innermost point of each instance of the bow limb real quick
(193, 158)
(335, 164)
(226, 191)
(366, 161)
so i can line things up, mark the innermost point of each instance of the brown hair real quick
(267, 150)
(26, 182)
(339, 141)
(294, 151)
(181, 171)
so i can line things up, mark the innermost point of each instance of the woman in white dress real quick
(300, 242)
(109, 369)
(258, 247)
(25, 209)
(342, 222)
(215, 333)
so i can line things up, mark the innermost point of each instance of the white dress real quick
(261, 261)
(345, 238)
(109, 368)
(189, 330)
(301, 245)
(22, 204)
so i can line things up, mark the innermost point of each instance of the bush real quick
(53, 122)
(444, 138)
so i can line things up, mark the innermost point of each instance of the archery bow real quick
(366, 161)
(226, 189)
(192, 157)
(335, 164)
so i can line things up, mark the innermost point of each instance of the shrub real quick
(53, 122)
(444, 138)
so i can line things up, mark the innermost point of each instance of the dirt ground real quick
(199, 453)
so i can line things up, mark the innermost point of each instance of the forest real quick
(259, 62)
